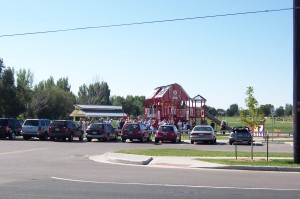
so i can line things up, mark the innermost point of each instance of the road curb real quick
(128, 158)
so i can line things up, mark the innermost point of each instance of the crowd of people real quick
(151, 124)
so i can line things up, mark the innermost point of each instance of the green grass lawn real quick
(284, 124)
(256, 162)
(198, 153)
(243, 157)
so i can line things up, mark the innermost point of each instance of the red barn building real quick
(173, 103)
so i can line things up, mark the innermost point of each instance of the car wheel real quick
(123, 140)
(12, 135)
(44, 137)
(26, 137)
(89, 139)
(81, 137)
(71, 137)
(156, 141)
(174, 141)
(142, 139)
(107, 138)
(230, 143)
(192, 141)
(52, 138)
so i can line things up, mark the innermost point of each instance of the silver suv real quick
(35, 128)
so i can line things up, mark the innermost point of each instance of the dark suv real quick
(101, 131)
(10, 127)
(136, 131)
(240, 135)
(62, 129)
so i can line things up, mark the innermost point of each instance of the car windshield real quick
(31, 123)
(166, 128)
(202, 128)
(3, 122)
(244, 133)
(131, 127)
(58, 123)
(96, 126)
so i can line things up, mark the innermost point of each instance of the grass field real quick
(257, 162)
(283, 124)
(222, 157)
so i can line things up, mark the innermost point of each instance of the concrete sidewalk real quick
(177, 162)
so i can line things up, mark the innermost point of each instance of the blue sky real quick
(217, 58)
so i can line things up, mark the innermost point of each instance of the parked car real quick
(35, 128)
(10, 127)
(167, 133)
(101, 131)
(135, 131)
(240, 135)
(203, 133)
(62, 129)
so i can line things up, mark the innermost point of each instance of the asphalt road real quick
(44, 169)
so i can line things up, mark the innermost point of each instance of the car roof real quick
(202, 126)
(100, 123)
(32, 119)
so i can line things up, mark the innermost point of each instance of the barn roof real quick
(169, 92)
(83, 110)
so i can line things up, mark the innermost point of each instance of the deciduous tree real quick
(255, 116)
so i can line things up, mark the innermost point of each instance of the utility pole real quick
(296, 77)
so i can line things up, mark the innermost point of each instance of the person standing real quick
(212, 124)
(154, 127)
(118, 123)
(179, 125)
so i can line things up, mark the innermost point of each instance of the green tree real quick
(211, 110)
(24, 90)
(117, 100)
(266, 109)
(233, 110)
(288, 110)
(134, 105)
(221, 112)
(279, 112)
(63, 83)
(51, 101)
(97, 93)
(1, 66)
(39, 103)
(9, 102)
(83, 97)
(254, 116)
(60, 103)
